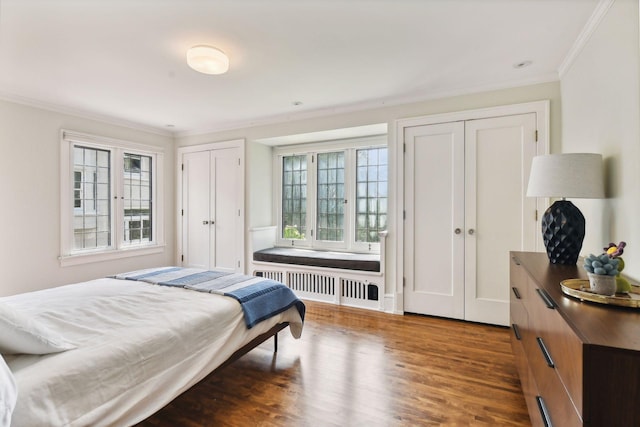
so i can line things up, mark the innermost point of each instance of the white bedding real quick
(138, 347)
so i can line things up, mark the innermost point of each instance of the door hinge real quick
(312, 232)
(182, 166)
(238, 263)
(312, 158)
(404, 214)
(404, 282)
(536, 214)
(181, 212)
(181, 257)
(238, 162)
(238, 212)
(404, 147)
(536, 135)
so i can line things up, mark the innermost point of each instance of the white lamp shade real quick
(207, 60)
(574, 175)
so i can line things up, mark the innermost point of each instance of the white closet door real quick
(212, 196)
(498, 215)
(227, 229)
(196, 209)
(434, 225)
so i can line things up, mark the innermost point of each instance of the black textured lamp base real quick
(563, 232)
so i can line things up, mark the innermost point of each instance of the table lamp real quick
(575, 175)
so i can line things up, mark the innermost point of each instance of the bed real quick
(125, 346)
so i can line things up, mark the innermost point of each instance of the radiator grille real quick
(312, 283)
(329, 287)
(359, 290)
(272, 275)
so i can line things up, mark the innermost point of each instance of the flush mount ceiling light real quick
(207, 59)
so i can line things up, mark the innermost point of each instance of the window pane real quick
(91, 201)
(137, 198)
(77, 189)
(294, 196)
(330, 195)
(362, 174)
(371, 193)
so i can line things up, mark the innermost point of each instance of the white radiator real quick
(344, 287)
(363, 289)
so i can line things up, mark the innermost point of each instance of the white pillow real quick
(21, 334)
(8, 394)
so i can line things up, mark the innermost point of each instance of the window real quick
(109, 198)
(330, 199)
(333, 197)
(294, 196)
(92, 201)
(371, 193)
(137, 198)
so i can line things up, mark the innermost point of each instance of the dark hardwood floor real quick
(362, 368)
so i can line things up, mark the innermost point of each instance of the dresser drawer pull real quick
(516, 261)
(546, 298)
(546, 419)
(516, 292)
(545, 352)
(516, 331)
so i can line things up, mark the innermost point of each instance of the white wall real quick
(259, 170)
(29, 142)
(30, 197)
(601, 113)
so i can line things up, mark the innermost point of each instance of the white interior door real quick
(498, 215)
(196, 188)
(226, 228)
(434, 224)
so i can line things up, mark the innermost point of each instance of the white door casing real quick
(465, 275)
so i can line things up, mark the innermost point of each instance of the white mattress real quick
(138, 347)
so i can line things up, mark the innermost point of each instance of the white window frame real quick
(119, 248)
(349, 146)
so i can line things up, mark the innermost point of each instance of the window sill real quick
(86, 258)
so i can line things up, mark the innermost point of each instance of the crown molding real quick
(57, 108)
(590, 27)
(419, 96)
(415, 97)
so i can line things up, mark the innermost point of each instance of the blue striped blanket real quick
(259, 298)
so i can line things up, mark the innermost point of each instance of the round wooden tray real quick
(579, 288)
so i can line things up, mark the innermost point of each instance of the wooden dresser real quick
(579, 362)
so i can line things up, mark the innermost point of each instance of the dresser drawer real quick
(518, 281)
(563, 346)
(527, 381)
(518, 314)
(559, 408)
(519, 332)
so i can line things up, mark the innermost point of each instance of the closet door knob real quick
(205, 222)
(471, 231)
(457, 231)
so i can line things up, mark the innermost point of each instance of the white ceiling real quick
(126, 59)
